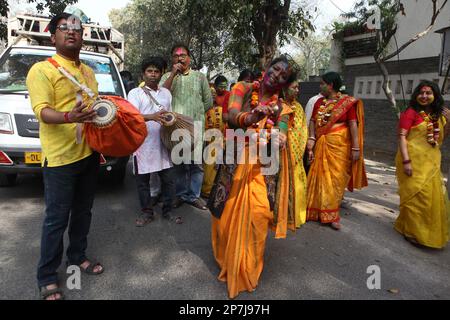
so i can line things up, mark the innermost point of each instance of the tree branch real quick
(386, 87)
(420, 34)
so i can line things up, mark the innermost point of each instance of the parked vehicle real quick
(20, 149)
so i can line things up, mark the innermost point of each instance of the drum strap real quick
(147, 92)
(69, 76)
(88, 91)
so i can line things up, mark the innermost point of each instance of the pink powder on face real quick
(179, 51)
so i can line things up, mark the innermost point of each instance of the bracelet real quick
(406, 161)
(66, 117)
(356, 149)
(283, 126)
(312, 138)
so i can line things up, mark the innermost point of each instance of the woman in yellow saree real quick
(424, 204)
(297, 138)
(335, 151)
(243, 199)
(213, 120)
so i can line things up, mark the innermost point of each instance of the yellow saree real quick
(333, 170)
(213, 119)
(423, 202)
(298, 136)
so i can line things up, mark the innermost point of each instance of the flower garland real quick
(432, 128)
(325, 110)
(270, 123)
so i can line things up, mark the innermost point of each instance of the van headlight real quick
(6, 124)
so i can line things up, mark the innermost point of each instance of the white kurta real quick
(152, 156)
(310, 107)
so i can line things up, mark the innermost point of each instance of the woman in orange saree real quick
(424, 205)
(335, 151)
(243, 199)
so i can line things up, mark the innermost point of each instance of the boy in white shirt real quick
(153, 156)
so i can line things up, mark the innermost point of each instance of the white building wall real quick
(417, 19)
(369, 87)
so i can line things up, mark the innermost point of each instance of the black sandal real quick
(45, 293)
(90, 268)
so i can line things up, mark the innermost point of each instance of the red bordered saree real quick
(333, 170)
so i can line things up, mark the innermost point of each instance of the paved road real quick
(168, 261)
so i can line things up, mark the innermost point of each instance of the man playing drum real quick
(152, 157)
(70, 168)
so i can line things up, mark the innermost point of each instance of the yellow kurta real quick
(423, 204)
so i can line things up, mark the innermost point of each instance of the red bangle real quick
(66, 117)
(406, 161)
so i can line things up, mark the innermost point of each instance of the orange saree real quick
(333, 170)
(248, 199)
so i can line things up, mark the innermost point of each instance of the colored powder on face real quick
(429, 101)
(180, 51)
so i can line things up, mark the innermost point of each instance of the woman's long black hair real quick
(438, 104)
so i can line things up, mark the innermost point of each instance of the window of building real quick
(409, 88)
(398, 88)
(360, 87)
(369, 87)
(378, 88)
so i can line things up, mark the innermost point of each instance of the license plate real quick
(32, 157)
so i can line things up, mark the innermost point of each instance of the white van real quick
(20, 149)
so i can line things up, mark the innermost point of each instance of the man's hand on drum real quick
(79, 116)
(157, 117)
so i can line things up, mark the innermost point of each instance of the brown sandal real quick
(144, 219)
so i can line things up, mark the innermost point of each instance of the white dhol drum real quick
(106, 112)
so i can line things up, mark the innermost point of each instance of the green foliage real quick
(232, 33)
(315, 53)
(54, 6)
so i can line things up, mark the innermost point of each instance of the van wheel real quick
(8, 180)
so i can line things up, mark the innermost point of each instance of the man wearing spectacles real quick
(70, 169)
(191, 97)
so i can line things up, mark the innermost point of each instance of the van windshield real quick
(15, 64)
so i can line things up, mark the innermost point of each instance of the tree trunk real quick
(387, 88)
